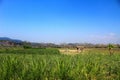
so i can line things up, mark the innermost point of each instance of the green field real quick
(50, 64)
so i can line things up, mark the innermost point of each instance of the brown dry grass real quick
(89, 50)
(69, 51)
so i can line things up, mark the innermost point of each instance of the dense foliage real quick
(42, 51)
(88, 66)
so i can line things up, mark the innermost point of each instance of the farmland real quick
(59, 39)
(50, 64)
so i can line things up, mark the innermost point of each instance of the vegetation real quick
(42, 51)
(7, 42)
(41, 64)
(43, 61)
(110, 47)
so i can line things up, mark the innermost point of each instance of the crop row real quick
(59, 67)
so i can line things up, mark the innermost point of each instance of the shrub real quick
(110, 47)
(27, 47)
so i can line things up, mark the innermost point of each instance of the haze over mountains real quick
(21, 41)
(9, 39)
(9, 42)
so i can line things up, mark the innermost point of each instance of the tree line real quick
(26, 44)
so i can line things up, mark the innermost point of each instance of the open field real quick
(49, 64)
(89, 50)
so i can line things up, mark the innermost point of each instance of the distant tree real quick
(110, 47)
(118, 45)
(26, 45)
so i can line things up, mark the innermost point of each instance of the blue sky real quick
(61, 21)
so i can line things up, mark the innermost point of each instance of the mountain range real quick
(9, 39)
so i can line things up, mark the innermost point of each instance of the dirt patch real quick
(69, 51)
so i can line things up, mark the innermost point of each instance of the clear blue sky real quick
(61, 21)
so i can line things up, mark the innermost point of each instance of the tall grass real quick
(31, 51)
(59, 67)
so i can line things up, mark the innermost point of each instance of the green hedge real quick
(31, 51)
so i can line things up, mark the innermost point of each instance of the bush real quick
(27, 47)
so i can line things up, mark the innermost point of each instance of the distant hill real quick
(12, 40)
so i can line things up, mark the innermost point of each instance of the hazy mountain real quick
(9, 39)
